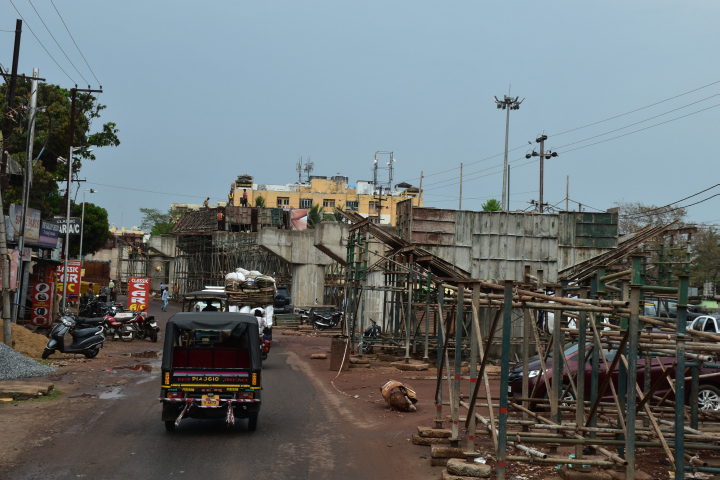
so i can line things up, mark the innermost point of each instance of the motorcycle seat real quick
(85, 332)
(92, 321)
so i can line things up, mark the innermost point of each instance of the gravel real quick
(15, 365)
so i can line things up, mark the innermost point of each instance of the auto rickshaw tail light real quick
(254, 378)
(174, 395)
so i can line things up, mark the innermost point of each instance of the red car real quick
(708, 393)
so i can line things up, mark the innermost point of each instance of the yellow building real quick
(329, 193)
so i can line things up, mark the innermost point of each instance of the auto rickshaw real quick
(200, 300)
(211, 368)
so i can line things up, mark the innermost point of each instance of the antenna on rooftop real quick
(299, 169)
(308, 168)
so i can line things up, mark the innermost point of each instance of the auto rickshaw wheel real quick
(252, 422)
(170, 425)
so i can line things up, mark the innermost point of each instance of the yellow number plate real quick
(209, 402)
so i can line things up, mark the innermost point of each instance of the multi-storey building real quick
(329, 193)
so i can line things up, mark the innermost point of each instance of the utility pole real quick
(460, 206)
(11, 103)
(543, 156)
(507, 103)
(567, 193)
(5, 264)
(420, 192)
(66, 245)
(27, 180)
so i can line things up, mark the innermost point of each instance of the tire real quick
(170, 425)
(47, 352)
(708, 398)
(252, 422)
(92, 353)
(316, 326)
(127, 337)
(154, 337)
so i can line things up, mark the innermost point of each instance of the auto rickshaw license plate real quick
(209, 401)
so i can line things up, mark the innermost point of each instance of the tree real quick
(492, 205)
(52, 129)
(314, 216)
(260, 201)
(705, 257)
(157, 222)
(96, 229)
(636, 215)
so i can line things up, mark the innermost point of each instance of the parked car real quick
(705, 323)
(283, 300)
(667, 307)
(708, 394)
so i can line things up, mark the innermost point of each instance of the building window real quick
(306, 203)
(352, 205)
(329, 202)
(372, 205)
(375, 220)
(283, 201)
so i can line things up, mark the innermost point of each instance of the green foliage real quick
(96, 229)
(705, 264)
(636, 215)
(259, 201)
(337, 215)
(157, 222)
(314, 216)
(492, 205)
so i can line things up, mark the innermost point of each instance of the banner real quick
(42, 300)
(48, 234)
(138, 293)
(32, 224)
(73, 287)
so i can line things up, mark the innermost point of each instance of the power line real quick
(670, 204)
(41, 44)
(637, 109)
(672, 209)
(144, 190)
(56, 42)
(76, 45)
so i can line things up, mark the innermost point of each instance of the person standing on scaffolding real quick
(206, 203)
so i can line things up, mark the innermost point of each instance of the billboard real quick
(49, 233)
(73, 275)
(138, 293)
(42, 300)
(32, 224)
(74, 225)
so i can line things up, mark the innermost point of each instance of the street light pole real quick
(507, 103)
(82, 226)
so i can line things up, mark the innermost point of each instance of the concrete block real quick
(441, 451)
(446, 475)
(463, 468)
(567, 473)
(428, 441)
(411, 367)
(318, 356)
(434, 432)
(438, 462)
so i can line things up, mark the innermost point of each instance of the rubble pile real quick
(25, 341)
(14, 365)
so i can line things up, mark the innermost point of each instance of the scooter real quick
(87, 341)
(323, 320)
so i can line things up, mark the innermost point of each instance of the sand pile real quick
(26, 342)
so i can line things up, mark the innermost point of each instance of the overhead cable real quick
(76, 45)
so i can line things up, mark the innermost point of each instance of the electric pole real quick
(5, 264)
(507, 103)
(66, 243)
(543, 156)
(460, 206)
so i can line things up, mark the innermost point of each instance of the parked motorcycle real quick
(370, 333)
(323, 320)
(87, 341)
(130, 325)
(96, 308)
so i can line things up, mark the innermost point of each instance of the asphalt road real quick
(298, 437)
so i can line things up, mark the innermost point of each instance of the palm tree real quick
(492, 205)
(259, 201)
(314, 215)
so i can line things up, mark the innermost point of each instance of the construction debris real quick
(24, 390)
(318, 356)
(399, 397)
(464, 469)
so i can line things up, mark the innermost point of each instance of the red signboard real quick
(138, 293)
(42, 299)
(73, 275)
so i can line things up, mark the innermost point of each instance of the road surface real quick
(298, 437)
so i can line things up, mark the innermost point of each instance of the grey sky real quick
(204, 91)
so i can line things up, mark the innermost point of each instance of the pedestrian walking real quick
(165, 299)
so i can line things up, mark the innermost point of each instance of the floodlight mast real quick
(507, 103)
